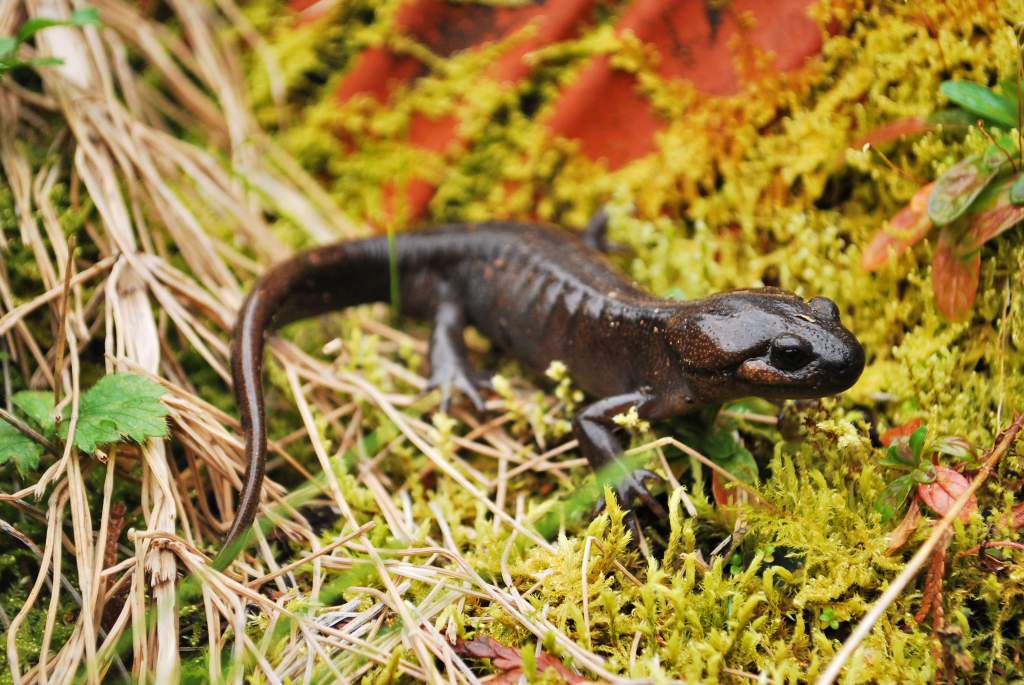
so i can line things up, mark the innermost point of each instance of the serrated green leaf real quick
(893, 497)
(917, 441)
(38, 406)
(120, 406)
(982, 101)
(24, 451)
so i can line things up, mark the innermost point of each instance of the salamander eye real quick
(789, 353)
(824, 307)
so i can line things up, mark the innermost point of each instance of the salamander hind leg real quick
(450, 372)
(595, 235)
(600, 443)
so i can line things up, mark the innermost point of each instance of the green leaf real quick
(85, 16)
(917, 441)
(992, 214)
(23, 450)
(957, 448)
(38, 406)
(120, 406)
(982, 101)
(742, 465)
(951, 116)
(8, 46)
(899, 456)
(34, 26)
(1017, 191)
(956, 189)
(894, 496)
(924, 474)
(1009, 88)
(1000, 153)
(41, 62)
(725, 449)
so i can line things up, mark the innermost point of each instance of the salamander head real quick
(768, 343)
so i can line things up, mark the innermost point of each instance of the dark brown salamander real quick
(542, 294)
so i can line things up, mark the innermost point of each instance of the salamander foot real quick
(459, 379)
(631, 487)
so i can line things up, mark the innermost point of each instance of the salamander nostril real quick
(790, 352)
(824, 307)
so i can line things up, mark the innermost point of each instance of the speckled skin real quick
(542, 294)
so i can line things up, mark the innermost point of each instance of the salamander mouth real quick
(759, 372)
(817, 378)
(769, 380)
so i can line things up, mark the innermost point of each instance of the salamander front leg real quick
(600, 443)
(449, 369)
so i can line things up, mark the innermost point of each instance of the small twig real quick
(750, 416)
(19, 536)
(31, 433)
(6, 366)
(899, 172)
(1020, 104)
(62, 309)
(920, 557)
(257, 582)
(1009, 158)
(1002, 352)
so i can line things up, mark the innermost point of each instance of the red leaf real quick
(931, 598)
(1008, 544)
(1017, 516)
(1000, 215)
(904, 431)
(725, 495)
(510, 661)
(901, 533)
(905, 229)
(954, 280)
(894, 130)
(941, 493)
(501, 657)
